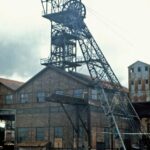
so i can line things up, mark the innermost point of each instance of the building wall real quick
(38, 120)
(6, 113)
(139, 87)
(139, 82)
(33, 115)
(4, 92)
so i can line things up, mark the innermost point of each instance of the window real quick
(60, 92)
(24, 98)
(40, 97)
(58, 132)
(8, 99)
(94, 94)
(23, 134)
(132, 70)
(139, 81)
(40, 134)
(139, 69)
(146, 81)
(132, 82)
(146, 68)
(78, 93)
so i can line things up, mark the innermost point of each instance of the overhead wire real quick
(109, 24)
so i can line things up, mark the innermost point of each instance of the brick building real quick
(7, 90)
(40, 123)
(30, 109)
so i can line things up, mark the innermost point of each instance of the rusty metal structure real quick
(68, 32)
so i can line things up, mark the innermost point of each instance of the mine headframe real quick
(63, 42)
(67, 29)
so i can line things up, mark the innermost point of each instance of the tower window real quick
(139, 81)
(132, 70)
(146, 68)
(139, 69)
(132, 82)
(146, 81)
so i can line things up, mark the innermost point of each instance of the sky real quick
(120, 27)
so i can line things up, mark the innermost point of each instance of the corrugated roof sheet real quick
(86, 78)
(138, 62)
(81, 76)
(12, 84)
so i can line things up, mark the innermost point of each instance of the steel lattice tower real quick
(67, 29)
(63, 43)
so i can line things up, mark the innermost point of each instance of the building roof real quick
(82, 78)
(11, 84)
(138, 62)
(58, 70)
(86, 78)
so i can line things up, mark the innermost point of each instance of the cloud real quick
(20, 55)
(21, 39)
(24, 38)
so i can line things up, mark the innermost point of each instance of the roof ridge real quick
(11, 84)
(5, 79)
(137, 62)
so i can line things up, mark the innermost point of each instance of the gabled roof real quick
(58, 70)
(86, 78)
(11, 84)
(138, 62)
(81, 78)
